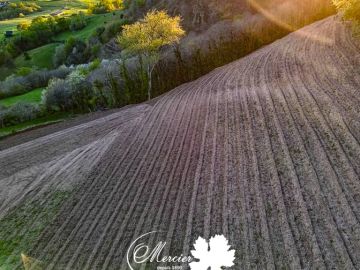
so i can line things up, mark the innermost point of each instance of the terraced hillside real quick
(264, 150)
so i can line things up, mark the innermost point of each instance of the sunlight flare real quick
(276, 18)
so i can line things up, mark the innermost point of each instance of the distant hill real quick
(198, 14)
(201, 14)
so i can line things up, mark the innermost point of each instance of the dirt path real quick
(264, 150)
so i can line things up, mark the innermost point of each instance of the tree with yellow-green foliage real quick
(350, 9)
(146, 37)
(104, 6)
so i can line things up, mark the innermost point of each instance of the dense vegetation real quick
(40, 31)
(351, 11)
(94, 84)
(13, 10)
(236, 43)
(104, 6)
(17, 85)
(350, 8)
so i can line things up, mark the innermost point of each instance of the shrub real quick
(73, 52)
(95, 50)
(13, 86)
(77, 22)
(18, 113)
(98, 31)
(110, 85)
(16, 85)
(56, 97)
(5, 57)
(112, 29)
(59, 56)
(41, 78)
(105, 6)
(78, 53)
(27, 56)
(350, 8)
(21, 9)
(23, 26)
(94, 65)
(140, 3)
(71, 94)
(23, 71)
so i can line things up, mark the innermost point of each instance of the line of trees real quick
(14, 10)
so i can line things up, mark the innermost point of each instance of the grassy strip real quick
(19, 231)
(40, 57)
(54, 118)
(32, 97)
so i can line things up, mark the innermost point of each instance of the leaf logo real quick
(215, 254)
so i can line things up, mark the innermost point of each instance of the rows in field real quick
(105, 197)
(59, 160)
(39, 169)
(16, 158)
(264, 150)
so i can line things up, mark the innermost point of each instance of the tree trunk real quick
(149, 70)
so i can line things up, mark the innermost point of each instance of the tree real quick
(77, 22)
(350, 9)
(104, 6)
(146, 37)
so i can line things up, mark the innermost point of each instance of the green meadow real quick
(31, 97)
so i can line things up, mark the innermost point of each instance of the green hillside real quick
(48, 7)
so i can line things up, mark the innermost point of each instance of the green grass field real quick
(40, 57)
(31, 97)
(12, 246)
(94, 21)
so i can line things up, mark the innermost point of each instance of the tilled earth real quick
(264, 151)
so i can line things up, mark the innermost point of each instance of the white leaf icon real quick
(215, 254)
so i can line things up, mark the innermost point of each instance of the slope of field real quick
(264, 150)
